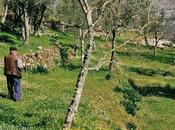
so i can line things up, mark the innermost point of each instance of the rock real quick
(45, 65)
(40, 47)
(31, 50)
(39, 34)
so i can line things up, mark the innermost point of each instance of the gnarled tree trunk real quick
(113, 51)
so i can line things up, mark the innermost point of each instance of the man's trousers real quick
(14, 87)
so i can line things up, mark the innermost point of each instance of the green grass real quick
(8, 39)
(45, 100)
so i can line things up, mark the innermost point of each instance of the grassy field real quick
(45, 100)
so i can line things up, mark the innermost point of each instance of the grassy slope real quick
(46, 99)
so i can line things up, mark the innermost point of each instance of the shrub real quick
(131, 98)
(65, 62)
(131, 126)
(107, 77)
(39, 69)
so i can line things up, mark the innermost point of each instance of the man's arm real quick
(4, 65)
(20, 63)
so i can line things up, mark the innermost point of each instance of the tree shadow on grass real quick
(151, 71)
(7, 39)
(166, 58)
(154, 90)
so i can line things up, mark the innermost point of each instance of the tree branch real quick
(103, 9)
(105, 58)
(84, 5)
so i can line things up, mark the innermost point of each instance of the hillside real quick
(104, 103)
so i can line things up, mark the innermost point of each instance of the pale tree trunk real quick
(156, 42)
(111, 64)
(62, 27)
(82, 75)
(81, 41)
(23, 33)
(26, 27)
(5, 10)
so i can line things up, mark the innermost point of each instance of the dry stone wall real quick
(45, 57)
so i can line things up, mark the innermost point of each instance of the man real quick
(12, 70)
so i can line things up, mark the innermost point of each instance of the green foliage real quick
(40, 69)
(131, 98)
(87, 115)
(65, 62)
(8, 38)
(131, 126)
(107, 77)
(45, 101)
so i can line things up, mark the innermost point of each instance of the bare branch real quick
(149, 22)
(105, 60)
(95, 3)
(83, 5)
(102, 61)
(123, 44)
(85, 33)
(103, 9)
(86, 5)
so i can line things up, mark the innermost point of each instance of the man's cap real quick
(13, 49)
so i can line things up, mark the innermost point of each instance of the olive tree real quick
(87, 8)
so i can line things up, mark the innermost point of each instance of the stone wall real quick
(45, 57)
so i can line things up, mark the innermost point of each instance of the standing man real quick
(12, 70)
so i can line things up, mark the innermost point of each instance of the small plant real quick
(131, 126)
(39, 69)
(65, 62)
(55, 39)
(107, 77)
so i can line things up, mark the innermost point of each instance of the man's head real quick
(13, 50)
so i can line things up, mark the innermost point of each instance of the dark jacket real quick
(10, 66)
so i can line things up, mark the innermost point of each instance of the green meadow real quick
(46, 96)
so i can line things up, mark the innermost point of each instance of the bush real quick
(131, 98)
(131, 126)
(40, 69)
(107, 77)
(65, 62)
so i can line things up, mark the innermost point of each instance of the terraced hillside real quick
(139, 94)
